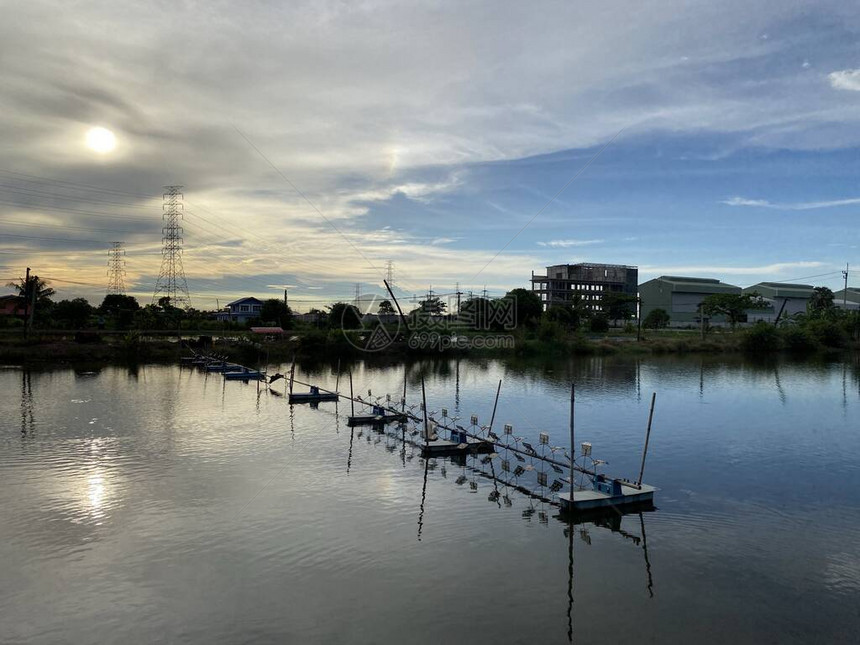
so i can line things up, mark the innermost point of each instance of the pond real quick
(163, 503)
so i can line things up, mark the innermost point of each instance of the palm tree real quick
(42, 290)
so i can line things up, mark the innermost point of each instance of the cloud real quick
(846, 79)
(564, 244)
(778, 267)
(362, 105)
(795, 206)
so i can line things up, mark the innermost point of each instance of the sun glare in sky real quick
(101, 140)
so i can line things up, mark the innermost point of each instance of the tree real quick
(115, 302)
(386, 308)
(599, 323)
(527, 305)
(343, 315)
(656, 319)
(821, 301)
(733, 306)
(561, 314)
(73, 313)
(476, 313)
(276, 311)
(25, 289)
(432, 306)
(120, 308)
(619, 306)
(149, 317)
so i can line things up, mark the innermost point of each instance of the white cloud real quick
(846, 79)
(791, 206)
(778, 267)
(564, 244)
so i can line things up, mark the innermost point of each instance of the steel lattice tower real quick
(171, 279)
(116, 269)
(389, 273)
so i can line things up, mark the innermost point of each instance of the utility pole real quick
(459, 293)
(286, 301)
(33, 293)
(27, 303)
(845, 292)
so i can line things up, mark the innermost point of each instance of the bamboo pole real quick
(424, 400)
(412, 417)
(493, 417)
(572, 439)
(647, 437)
(292, 373)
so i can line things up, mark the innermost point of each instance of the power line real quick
(806, 277)
(309, 202)
(74, 184)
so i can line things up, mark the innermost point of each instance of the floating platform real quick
(456, 446)
(244, 375)
(314, 396)
(381, 418)
(607, 493)
(223, 367)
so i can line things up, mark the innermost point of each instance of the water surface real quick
(159, 503)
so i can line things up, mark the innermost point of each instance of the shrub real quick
(761, 338)
(599, 324)
(550, 331)
(656, 319)
(796, 339)
(827, 332)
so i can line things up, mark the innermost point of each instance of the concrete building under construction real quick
(590, 281)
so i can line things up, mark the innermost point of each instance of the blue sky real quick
(316, 141)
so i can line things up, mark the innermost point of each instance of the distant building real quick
(12, 306)
(590, 281)
(848, 299)
(680, 297)
(241, 310)
(784, 300)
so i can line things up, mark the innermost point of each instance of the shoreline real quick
(133, 348)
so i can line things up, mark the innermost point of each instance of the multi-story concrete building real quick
(680, 297)
(589, 281)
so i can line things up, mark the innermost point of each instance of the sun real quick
(101, 140)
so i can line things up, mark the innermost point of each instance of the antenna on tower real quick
(116, 269)
(171, 279)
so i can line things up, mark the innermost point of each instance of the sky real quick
(467, 143)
